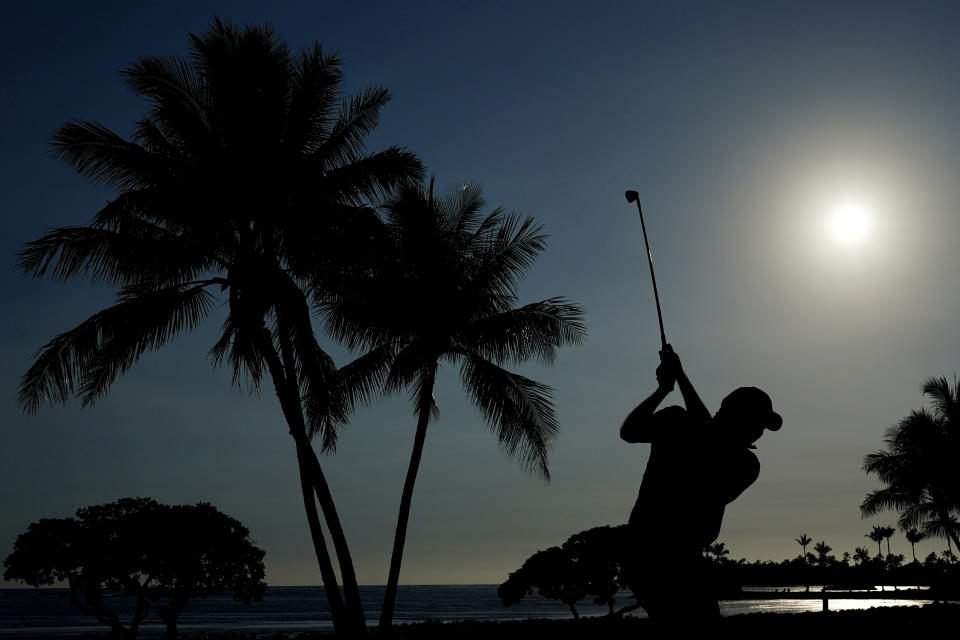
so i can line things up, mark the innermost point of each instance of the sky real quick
(745, 127)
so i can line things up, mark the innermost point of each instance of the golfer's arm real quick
(695, 407)
(640, 425)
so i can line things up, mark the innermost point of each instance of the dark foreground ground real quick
(880, 622)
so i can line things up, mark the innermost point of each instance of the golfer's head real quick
(746, 412)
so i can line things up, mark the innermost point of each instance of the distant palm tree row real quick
(878, 535)
(248, 181)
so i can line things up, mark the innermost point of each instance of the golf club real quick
(633, 196)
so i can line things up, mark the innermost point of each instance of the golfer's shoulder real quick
(673, 413)
(672, 422)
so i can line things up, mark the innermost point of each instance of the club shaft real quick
(653, 277)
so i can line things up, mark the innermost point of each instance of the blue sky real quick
(742, 126)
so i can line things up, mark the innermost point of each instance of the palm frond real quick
(519, 410)
(316, 80)
(533, 331)
(357, 119)
(180, 104)
(102, 156)
(506, 247)
(364, 378)
(132, 252)
(370, 178)
(87, 359)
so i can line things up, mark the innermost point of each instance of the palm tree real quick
(719, 549)
(446, 292)
(918, 465)
(803, 540)
(877, 535)
(822, 549)
(887, 534)
(913, 537)
(861, 554)
(247, 178)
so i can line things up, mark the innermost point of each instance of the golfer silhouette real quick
(698, 464)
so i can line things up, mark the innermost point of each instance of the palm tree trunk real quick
(351, 589)
(293, 412)
(337, 610)
(425, 403)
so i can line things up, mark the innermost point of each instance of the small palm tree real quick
(887, 534)
(445, 292)
(822, 549)
(247, 179)
(861, 554)
(913, 537)
(718, 549)
(877, 535)
(803, 540)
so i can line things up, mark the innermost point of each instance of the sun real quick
(849, 223)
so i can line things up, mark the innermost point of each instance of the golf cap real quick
(752, 402)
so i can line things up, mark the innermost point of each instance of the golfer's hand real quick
(668, 369)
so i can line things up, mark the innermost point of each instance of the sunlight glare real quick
(849, 223)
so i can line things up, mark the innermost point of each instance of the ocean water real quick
(48, 613)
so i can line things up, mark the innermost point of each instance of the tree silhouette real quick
(587, 564)
(913, 537)
(822, 549)
(803, 540)
(861, 554)
(918, 465)
(877, 535)
(887, 534)
(445, 291)
(159, 554)
(718, 549)
(248, 178)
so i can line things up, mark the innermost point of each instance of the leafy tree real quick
(918, 465)
(861, 554)
(159, 554)
(247, 178)
(803, 540)
(587, 564)
(446, 291)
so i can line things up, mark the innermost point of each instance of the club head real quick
(632, 196)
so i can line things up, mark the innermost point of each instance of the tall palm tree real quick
(803, 540)
(877, 535)
(248, 178)
(887, 534)
(918, 465)
(913, 537)
(446, 293)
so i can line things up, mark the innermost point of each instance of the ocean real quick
(48, 613)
